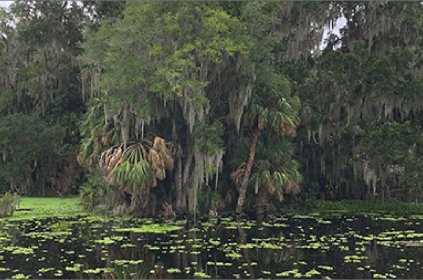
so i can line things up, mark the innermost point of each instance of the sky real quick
(5, 3)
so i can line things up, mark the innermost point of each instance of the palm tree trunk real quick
(247, 173)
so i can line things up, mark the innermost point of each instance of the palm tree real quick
(272, 109)
(135, 169)
(275, 172)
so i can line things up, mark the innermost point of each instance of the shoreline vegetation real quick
(158, 109)
(62, 207)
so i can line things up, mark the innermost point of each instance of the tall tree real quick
(41, 82)
(373, 78)
(271, 108)
(165, 81)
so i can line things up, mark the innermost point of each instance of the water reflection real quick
(289, 247)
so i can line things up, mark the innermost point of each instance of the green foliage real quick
(276, 171)
(26, 143)
(209, 78)
(361, 107)
(161, 64)
(208, 200)
(40, 95)
(274, 104)
(133, 176)
(398, 147)
(391, 142)
(209, 138)
(92, 191)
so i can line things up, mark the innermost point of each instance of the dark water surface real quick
(293, 246)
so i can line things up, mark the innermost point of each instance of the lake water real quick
(291, 246)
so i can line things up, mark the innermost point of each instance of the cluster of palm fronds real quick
(275, 171)
(272, 181)
(136, 167)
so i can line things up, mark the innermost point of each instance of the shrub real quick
(8, 204)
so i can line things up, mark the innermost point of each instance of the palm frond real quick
(137, 167)
(157, 163)
(160, 146)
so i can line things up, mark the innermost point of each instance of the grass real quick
(366, 206)
(354, 206)
(46, 207)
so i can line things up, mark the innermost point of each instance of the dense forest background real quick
(204, 107)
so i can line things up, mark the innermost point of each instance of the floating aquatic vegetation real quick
(152, 247)
(248, 246)
(127, 262)
(20, 276)
(152, 228)
(45, 270)
(214, 242)
(173, 270)
(127, 245)
(323, 222)
(268, 245)
(354, 258)
(294, 273)
(311, 273)
(201, 275)
(109, 240)
(207, 224)
(74, 268)
(326, 267)
(19, 250)
(214, 252)
(233, 255)
(210, 263)
(97, 270)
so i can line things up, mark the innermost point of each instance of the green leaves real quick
(132, 176)
(208, 137)
(276, 171)
(391, 142)
(23, 140)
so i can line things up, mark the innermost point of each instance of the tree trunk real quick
(185, 182)
(180, 208)
(125, 127)
(262, 201)
(247, 173)
(192, 200)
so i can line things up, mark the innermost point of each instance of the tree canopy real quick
(188, 106)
